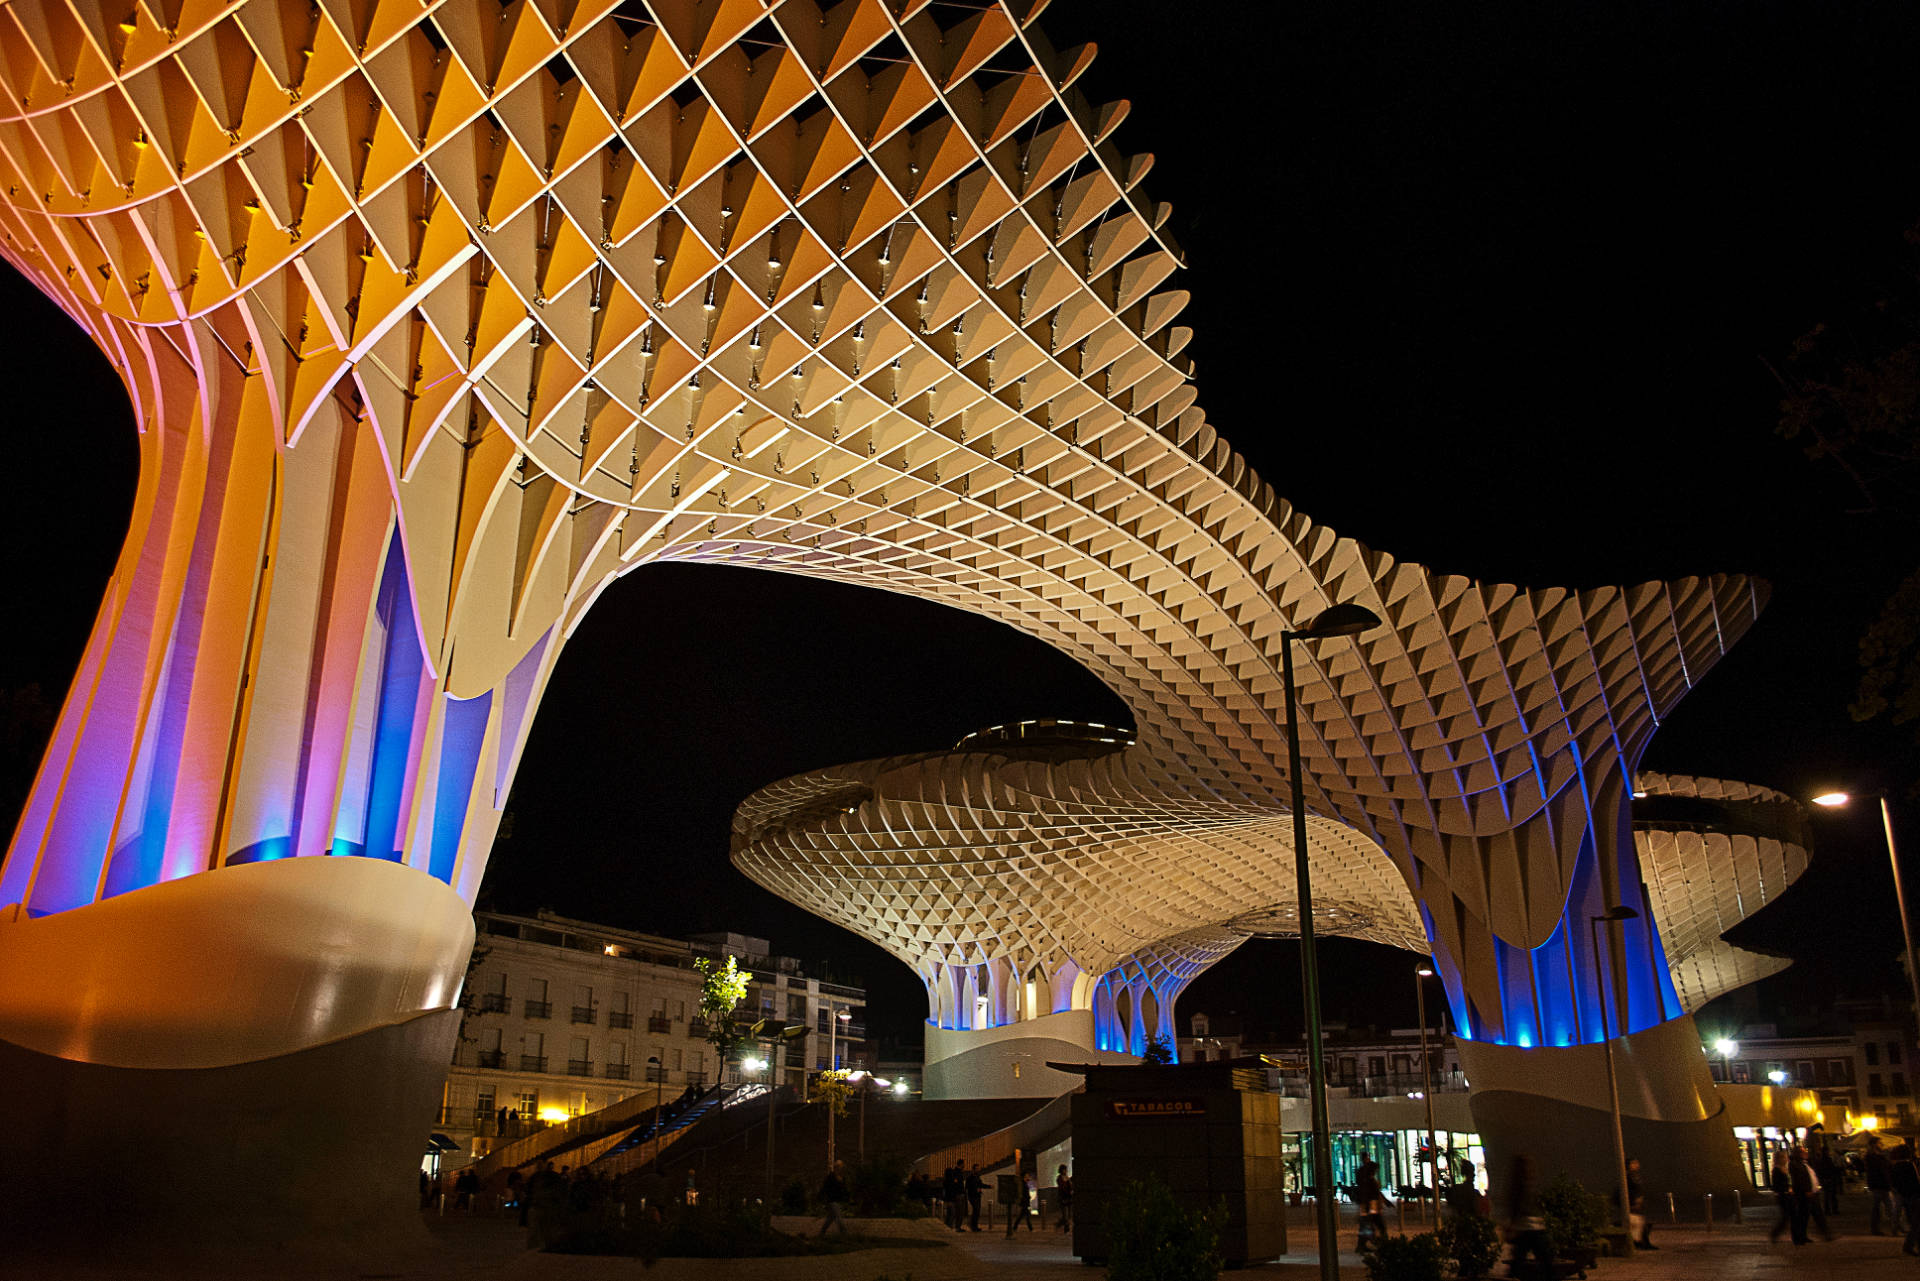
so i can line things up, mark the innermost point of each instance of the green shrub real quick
(1574, 1216)
(793, 1197)
(878, 1187)
(1415, 1258)
(1152, 1237)
(1471, 1242)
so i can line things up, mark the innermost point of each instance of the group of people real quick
(1806, 1185)
(961, 1190)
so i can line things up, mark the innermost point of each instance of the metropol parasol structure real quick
(437, 317)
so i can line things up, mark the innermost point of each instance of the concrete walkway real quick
(483, 1248)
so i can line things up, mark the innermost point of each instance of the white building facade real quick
(566, 1017)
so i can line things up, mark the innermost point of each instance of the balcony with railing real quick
(656, 1073)
(620, 1018)
(585, 1014)
(537, 1009)
(579, 1067)
(659, 1023)
(697, 1028)
(495, 1003)
(618, 1071)
(533, 1062)
(493, 1058)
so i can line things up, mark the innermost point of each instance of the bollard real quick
(443, 1205)
(1739, 1206)
(1709, 1201)
(1673, 1213)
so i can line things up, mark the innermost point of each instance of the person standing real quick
(1781, 1181)
(1880, 1187)
(1832, 1176)
(1063, 1188)
(976, 1190)
(833, 1193)
(1903, 1177)
(953, 1187)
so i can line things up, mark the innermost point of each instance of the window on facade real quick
(617, 1002)
(529, 1103)
(674, 1059)
(1872, 1049)
(616, 1051)
(534, 1043)
(483, 1101)
(1376, 1065)
(1742, 1074)
(1899, 1082)
(1402, 1064)
(490, 1040)
(1839, 1072)
(498, 984)
(1349, 1067)
(1893, 1053)
(796, 1007)
(680, 1011)
(1200, 1025)
(659, 1007)
(536, 989)
(1803, 1072)
(1876, 1086)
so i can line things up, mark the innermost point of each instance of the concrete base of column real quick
(308, 1161)
(1551, 1103)
(1011, 1062)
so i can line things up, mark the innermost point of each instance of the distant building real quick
(1856, 1056)
(566, 1017)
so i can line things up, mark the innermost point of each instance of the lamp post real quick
(1835, 800)
(1726, 1048)
(1420, 977)
(1613, 916)
(1337, 620)
(867, 1080)
(833, 1065)
(659, 1087)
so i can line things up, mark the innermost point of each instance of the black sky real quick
(1491, 287)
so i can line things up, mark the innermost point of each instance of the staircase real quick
(641, 1144)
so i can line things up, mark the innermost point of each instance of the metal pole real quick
(1900, 901)
(864, 1082)
(1426, 1092)
(772, 1098)
(1613, 1082)
(833, 1065)
(1310, 988)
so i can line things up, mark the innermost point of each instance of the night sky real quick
(1495, 288)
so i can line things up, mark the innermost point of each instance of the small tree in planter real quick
(1574, 1217)
(1415, 1258)
(1152, 1237)
(1471, 1242)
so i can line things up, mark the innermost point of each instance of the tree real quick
(1852, 397)
(1159, 1052)
(721, 989)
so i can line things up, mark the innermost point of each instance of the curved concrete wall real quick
(241, 963)
(1011, 1061)
(1551, 1103)
(306, 1159)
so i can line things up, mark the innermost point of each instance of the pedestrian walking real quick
(1903, 1176)
(833, 1194)
(1526, 1226)
(1063, 1188)
(1372, 1200)
(976, 1190)
(1021, 1211)
(1638, 1221)
(1781, 1181)
(1832, 1176)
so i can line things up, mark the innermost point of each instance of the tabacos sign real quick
(1148, 1109)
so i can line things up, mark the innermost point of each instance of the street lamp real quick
(833, 1065)
(1726, 1048)
(1837, 800)
(1420, 977)
(866, 1079)
(1337, 620)
(659, 1086)
(1613, 916)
